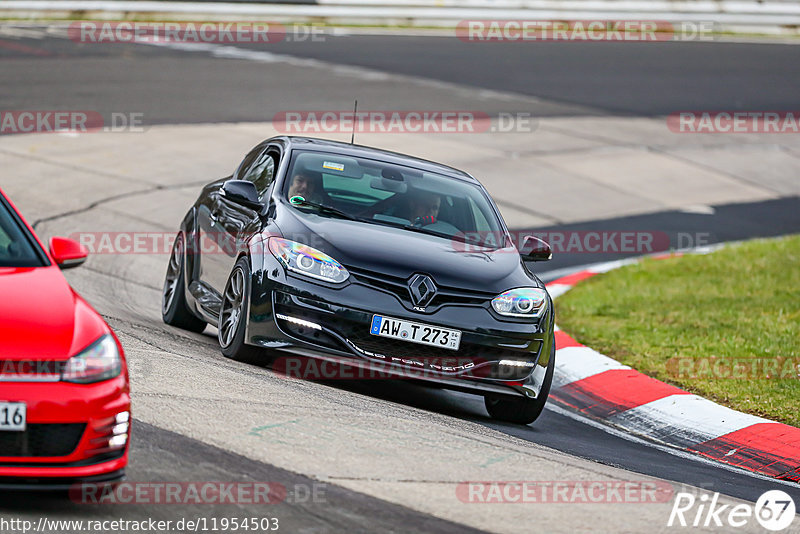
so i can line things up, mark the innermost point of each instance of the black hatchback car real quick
(315, 250)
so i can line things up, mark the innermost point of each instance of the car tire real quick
(174, 310)
(523, 411)
(233, 316)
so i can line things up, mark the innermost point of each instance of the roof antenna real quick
(355, 110)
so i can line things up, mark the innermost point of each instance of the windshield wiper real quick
(302, 202)
(422, 230)
(456, 237)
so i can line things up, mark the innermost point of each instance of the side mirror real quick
(535, 249)
(242, 192)
(67, 252)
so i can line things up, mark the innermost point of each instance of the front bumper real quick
(68, 431)
(308, 319)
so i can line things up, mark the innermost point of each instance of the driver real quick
(423, 207)
(307, 184)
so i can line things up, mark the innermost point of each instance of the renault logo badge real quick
(422, 290)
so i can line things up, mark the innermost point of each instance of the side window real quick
(247, 163)
(261, 173)
(260, 169)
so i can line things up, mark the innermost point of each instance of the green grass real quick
(702, 323)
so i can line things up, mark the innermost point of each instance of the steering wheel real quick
(424, 221)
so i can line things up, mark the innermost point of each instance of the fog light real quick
(298, 321)
(513, 369)
(118, 441)
(515, 363)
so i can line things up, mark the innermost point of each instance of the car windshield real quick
(378, 192)
(16, 247)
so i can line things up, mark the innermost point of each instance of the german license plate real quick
(424, 334)
(12, 416)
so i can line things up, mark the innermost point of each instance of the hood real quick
(41, 317)
(401, 253)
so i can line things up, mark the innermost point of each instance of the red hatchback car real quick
(64, 393)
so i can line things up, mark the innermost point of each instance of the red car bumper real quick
(74, 433)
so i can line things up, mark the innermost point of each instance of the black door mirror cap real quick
(241, 192)
(535, 249)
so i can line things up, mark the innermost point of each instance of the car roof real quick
(346, 149)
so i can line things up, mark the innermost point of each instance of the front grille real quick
(31, 370)
(399, 288)
(57, 439)
(476, 360)
(467, 353)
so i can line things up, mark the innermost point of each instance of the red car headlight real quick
(99, 361)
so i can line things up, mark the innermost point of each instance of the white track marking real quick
(25, 33)
(611, 265)
(577, 363)
(663, 448)
(670, 423)
(556, 290)
(689, 419)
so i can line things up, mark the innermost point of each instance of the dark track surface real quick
(575, 78)
(729, 222)
(579, 439)
(159, 455)
(626, 78)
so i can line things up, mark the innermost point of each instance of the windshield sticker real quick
(333, 166)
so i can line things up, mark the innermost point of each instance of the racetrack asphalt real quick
(568, 78)
(198, 89)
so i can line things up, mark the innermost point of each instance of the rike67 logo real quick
(774, 510)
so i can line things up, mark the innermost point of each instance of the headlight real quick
(522, 302)
(99, 361)
(307, 261)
